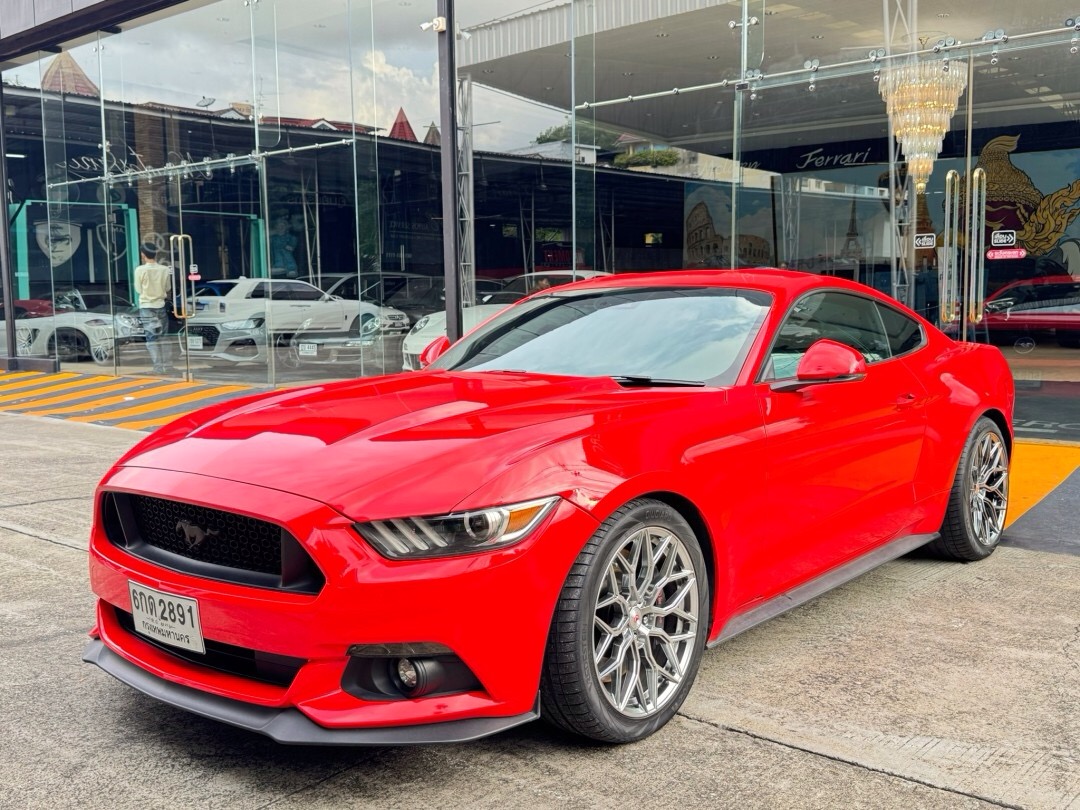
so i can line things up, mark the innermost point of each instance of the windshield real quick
(700, 334)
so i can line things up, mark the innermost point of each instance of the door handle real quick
(906, 400)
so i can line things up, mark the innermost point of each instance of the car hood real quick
(396, 445)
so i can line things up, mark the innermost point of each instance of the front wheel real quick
(630, 627)
(286, 354)
(979, 498)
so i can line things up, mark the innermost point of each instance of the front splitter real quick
(290, 726)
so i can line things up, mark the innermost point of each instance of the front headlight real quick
(420, 324)
(249, 323)
(459, 533)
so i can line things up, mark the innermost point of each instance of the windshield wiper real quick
(639, 380)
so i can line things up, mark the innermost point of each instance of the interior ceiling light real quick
(921, 98)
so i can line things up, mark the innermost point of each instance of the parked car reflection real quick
(78, 325)
(432, 326)
(1035, 307)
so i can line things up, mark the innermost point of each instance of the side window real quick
(258, 291)
(843, 317)
(904, 333)
(294, 291)
(347, 289)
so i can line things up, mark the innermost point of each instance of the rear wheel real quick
(979, 498)
(628, 633)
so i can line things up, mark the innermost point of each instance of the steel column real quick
(449, 152)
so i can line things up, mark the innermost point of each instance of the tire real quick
(285, 353)
(655, 624)
(1070, 340)
(979, 498)
(69, 345)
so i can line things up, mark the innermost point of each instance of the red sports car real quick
(556, 517)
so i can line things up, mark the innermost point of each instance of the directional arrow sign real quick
(925, 240)
(1006, 253)
(1003, 239)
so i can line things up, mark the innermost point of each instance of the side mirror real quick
(434, 350)
(824, 362)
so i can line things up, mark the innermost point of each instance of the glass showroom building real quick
(931, 150)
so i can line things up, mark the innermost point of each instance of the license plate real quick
(309, 349)
(170, 619)
(194, 341)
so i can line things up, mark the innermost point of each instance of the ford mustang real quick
(556, 517)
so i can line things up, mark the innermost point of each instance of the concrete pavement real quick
(920, 685)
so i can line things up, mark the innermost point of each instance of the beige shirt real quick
(153, 282)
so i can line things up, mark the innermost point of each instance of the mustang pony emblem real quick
(194, 535)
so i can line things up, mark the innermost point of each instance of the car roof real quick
(780, 282)
(1033, 281)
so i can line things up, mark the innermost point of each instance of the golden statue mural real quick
(1014, 203)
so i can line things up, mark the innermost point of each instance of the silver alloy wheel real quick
(988, 496)
(24, 342)
(645, 622)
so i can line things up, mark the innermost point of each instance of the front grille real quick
(208, 542)
(208, 333)
(412, 361)
(246, 663)
(209, 535)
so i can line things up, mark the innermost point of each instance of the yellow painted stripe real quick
(38, 378)
(1037, 469)
(131, 396)
(48, 389)
(13, 376)
(118, 384)
(162, 404)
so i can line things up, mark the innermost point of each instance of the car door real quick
(841, 456)
(296, 303)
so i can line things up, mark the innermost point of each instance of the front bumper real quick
(337, 347)
(211, 341)
(288, 726)
(492, 610)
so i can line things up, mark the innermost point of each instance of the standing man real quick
(153, 284)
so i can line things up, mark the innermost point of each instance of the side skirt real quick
(834, 578)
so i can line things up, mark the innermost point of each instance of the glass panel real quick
(1023, 142)
(516, 121)
(659, 114)
(71, 268)
(180, 129)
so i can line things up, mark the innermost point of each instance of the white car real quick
(240, 318)
(83, 325)
(433, 326)
(392, 321)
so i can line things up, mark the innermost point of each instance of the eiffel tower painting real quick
(853, 248)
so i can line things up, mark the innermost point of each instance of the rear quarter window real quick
(904, 333)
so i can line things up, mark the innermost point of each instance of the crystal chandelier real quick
(920, 98)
